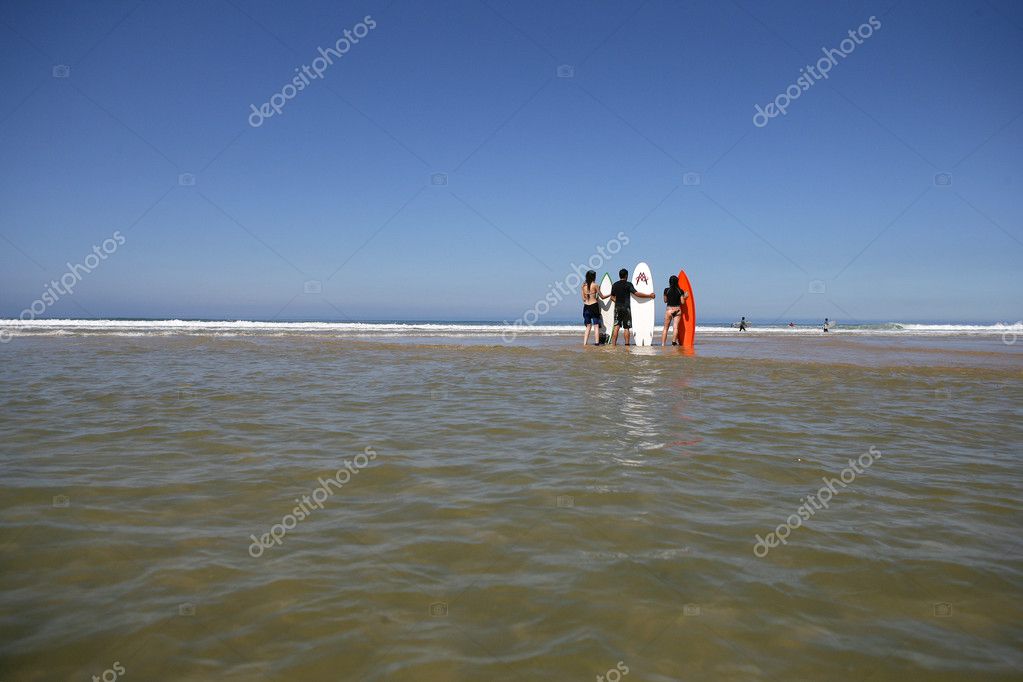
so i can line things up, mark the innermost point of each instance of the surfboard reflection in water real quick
(686, 397)
(637, 414)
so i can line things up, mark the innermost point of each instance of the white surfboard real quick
(607, 312)
(643, 308)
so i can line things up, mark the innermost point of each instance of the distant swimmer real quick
(792, 324)
(591, 308)
(827, 324)
(673, 297)
(742, 324)
(622, 292)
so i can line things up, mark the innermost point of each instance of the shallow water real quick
(531, 511)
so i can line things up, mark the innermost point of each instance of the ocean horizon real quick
(382, 326)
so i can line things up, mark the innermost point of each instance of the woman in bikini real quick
(591, 308)
(673, 297)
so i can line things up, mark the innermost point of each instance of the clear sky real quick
(832, 209)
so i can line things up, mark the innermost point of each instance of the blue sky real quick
(838, 194)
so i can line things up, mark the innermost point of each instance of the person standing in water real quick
(591, 308)
(673, 297)
(742, 324)
(622, 292)
(826, 324)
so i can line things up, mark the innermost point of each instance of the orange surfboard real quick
(685, 327)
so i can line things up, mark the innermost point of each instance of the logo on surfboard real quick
(641, 277)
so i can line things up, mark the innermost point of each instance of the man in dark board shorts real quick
(622, 292)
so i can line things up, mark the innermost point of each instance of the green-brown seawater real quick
(531, 511)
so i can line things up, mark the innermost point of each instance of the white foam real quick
(252, 327)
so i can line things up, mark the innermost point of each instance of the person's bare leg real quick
(627, 333)
(664, 328)
(586, 334)
(614, 336)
